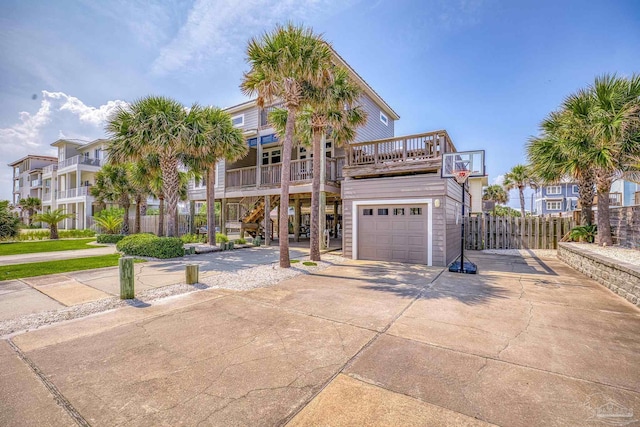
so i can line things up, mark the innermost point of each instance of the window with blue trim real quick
(267, 139)
(252, 142)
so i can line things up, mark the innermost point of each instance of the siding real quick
(401, 187)
(374, 128)
(250, 118)
(452, 209)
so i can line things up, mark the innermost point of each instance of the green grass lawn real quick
(17, 271)
(18, 248)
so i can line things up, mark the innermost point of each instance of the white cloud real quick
(498, 180)
(59, 116)
(221, 28)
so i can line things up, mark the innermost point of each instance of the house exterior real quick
(624, 193)
(27, 176)
(556, 199)
(67, 182)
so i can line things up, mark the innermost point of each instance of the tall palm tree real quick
(212, 138)
(113, 184)
(141, 174)
(31, 205)
(331, 109)
(53, 218)
(152, 125)
(519, 177)
(615, 128)
(495, 193)
(282, 63)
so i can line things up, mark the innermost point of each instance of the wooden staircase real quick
(250, 222)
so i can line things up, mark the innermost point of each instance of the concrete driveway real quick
(526, 342)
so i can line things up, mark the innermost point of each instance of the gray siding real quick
(374, 128)
(401, 187)
(452, 207)
(250, 118)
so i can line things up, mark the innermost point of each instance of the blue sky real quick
(486, 70)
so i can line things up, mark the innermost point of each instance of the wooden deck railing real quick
(400, 149)
(301, 171)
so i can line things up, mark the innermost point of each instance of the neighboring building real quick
(556, 199)
(476, 186)
(27, 176)
(624, 193)
(68, 181)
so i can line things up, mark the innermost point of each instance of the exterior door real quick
(393, 233)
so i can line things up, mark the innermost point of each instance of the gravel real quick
(631, 256)
(242, 280)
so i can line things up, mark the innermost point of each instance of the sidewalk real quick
(525, 342)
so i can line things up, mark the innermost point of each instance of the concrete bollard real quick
(127, 276)
(191, 272)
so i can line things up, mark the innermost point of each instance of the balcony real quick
(615, 199)
(636, 198)
(399, 154)
(73, 192)
(301, 172)
(80, 160)
(36, 183)
(264, 115)
(46, 197)
(49, 169)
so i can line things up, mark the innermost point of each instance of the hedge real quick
(110, 238)
(151, 246)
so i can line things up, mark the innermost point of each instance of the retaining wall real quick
(622, 278)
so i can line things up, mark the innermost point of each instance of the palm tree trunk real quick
(170, 188)
(53, 231)
(521, 192)
(586, 194)
(285, 179)
(314, 243)
(136, 227)
(161, 216)
(604, 224)
(211, 206)
(124, 204)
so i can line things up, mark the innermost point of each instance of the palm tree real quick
(53, 218)
(142, 174)
(152, 126)
(331, 109)
(212, 138)
(282, 63)
(31, 205)
(113, 184)
(520, 177)
(615, 129)
(495, 193)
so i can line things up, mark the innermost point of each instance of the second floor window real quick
(238, 120)
(553, 189)
(384, 119)
(575, 189)
(554, 206)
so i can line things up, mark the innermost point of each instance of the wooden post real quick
(267, 228)
(335, 219)
(223, 216)
(127, 277)
(191, 273)
(192, 216)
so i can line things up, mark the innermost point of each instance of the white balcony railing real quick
(46, 197)
(82, 160)
(73, 192)
(36, 183)
(49, 169)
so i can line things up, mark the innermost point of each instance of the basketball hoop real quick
(461, 175)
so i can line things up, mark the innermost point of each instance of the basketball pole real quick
(461, 269)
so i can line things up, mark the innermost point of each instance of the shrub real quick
(240, 241)
(221, 238)
(584, 233)
(9, 222)
(110, 238)
(110, 220)
(151, 246)
(193, 238)
(66, 234)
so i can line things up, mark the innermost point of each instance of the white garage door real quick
(393, 233)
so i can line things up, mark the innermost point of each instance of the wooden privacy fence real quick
(504, 232)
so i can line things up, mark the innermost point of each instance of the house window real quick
(238, 120)
(575, 189)
(97, 154)
(252, 142)
(415, 211)
(384, 119)
(554, 189)
(267, 139)
(271, 156)
(367, 212)
(303, 153)
(554, 206)
(398, 211)
(383, 211)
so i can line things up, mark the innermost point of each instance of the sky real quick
(487, 71)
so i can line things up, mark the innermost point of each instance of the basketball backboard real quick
(472, 161)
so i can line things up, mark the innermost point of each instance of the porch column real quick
(267, 229)
(78, 182)
(277, 227)
(68, 222)
(192, 219)
(259, 163)
(335, 218)
(296, 219)
(79, 225)
(223, 216)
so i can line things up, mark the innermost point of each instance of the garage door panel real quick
(393, 233)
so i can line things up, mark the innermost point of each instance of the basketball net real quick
(461, 175)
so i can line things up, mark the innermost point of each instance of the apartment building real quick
(27, 176)
(68, 180)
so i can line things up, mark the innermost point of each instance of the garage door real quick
(393, 233)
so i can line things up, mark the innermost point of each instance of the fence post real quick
(191, 272)
(127, 276)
